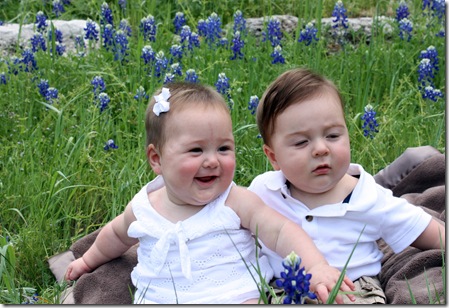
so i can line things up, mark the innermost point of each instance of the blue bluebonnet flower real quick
(191, 76)
(58, 35)
(189, 39)
(3, 79)
(38, 42)
(273, 32)
(121, 46)
(237, 45)
(2, 22)
(169, 77)
(179, 22)
(103, 101)
(239, 22)
(98, 85)
(148, 28)
(66, 2)
(108, 37)
(161, 64)
(405, 29)
(223, 42)
(106, 15)
(277, 55)
(148, 55)
(90, 32)
(125, 27)
(432, 54)
(253, 103)
(425, 72)
(176, 52)
(426, 4)
(80, 45)
(122, 4)
(141, 94)
(28, 60)
(213, 29)
(51, 95)
(431, 93)
(43, 86)
(222, 85)
(176, 69)
(41, 22)
(14, 65)
(339, 13)
(202, 27)
(441, 33)
(110, 144)
(439, 8)
(370, 124)
(402, 11)
(30, 299)
(308, 34)
(295, 281)
(60, 49)
(58, 8)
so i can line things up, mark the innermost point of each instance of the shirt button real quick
(309, 218)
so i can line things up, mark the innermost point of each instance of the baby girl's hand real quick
(76, 269)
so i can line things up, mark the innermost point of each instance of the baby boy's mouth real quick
(206, 179)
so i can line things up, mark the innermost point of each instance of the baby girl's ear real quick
(154, 159)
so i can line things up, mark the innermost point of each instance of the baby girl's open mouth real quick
(206, 179)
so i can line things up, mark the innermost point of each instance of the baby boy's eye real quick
(196, 150)
(224, 148)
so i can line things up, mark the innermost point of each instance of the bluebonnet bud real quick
(90, 32)
(237, 45)
(176, 52)
(277, 55)
(30, 299)
(273, 32)
(405, 29)
(161, 64)
(222, 84)
(431, 93)
(98, 85)
(191, 76)
(58, 36)
(125, 27)
(141, 94)
(28, 60)
(58, 8)
(295, 281)
(308, 34)
(3, 78)
(339, 13)
(60, 49)
(370, 124)
(43, 87)
(103, 100)
(223, 42)
(148, 28)
(108, 37)
(179, 22)
(120, 46)
(427, 68)
(169, 77)
(148, 55)
(176, 69)
(41, 22)
(106, 15)
(2, 22)
(402, 11)
(110, 144)
(239, 22)
(253, 103)
(38, 42)
(51, 95)
(80, 45)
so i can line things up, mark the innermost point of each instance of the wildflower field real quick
(72, 147)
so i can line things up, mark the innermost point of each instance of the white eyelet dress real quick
(198, 260)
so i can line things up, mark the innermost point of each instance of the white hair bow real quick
(162, 104)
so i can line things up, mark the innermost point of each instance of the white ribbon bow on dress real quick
(160, 250)
(162, 104)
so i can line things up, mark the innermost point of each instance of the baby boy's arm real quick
(111, 242)
(433, 237)
(284, 236)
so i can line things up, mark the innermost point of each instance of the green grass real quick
(57, 183)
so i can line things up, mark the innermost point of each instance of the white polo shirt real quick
(335, 228)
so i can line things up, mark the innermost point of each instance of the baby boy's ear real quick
(154, 159)
(271, 157)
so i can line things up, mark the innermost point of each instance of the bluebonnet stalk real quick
(43, 87)
(148, 28)
(148, 55)
(339, 13)
(108, 37)
(28, 60)
(141, 94)
(273, 32)
(202, 27)
(58, 8)
(308, 34)
(295, 281)
(370, 124)
(222, 84)
(189, 39)
(103, 101)
(239, 22)
(191, 76)
(253, 103)
(120, 46)
(432, 54)
(237, 45)
(58, 35)
(106, 15)
(277, 55)
(402, 11)
(425, 72)
(405, 29)
(160, 66)
(179, 21)
(51, 95)
(212, 29)
(41, 22)
(38, 42)
(176, 53)
(90, 32)
(427, 69)
(3, 79)
(125, 27)
(439, 9)
(110, 144)
(98, 85)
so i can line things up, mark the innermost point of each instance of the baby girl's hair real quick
(292, 87)
(182, 95)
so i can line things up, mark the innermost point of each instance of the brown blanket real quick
(417, 175)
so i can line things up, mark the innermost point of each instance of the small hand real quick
(76, 269)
